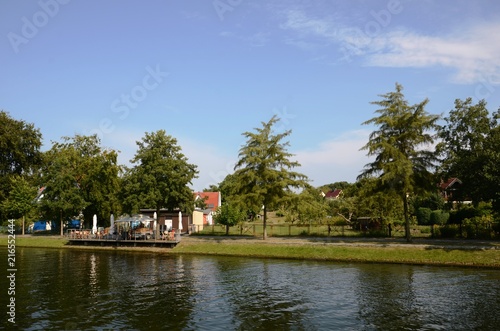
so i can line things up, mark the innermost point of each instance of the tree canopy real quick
(229, 214)
(20, 144)
(264, 169)
(159, 177)
(80, 176)
(402, 164)
(470, 150)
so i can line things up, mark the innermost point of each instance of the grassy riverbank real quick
(430, 253)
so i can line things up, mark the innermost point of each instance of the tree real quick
(307, 206)
(229, 215)
(344, 207)
(400, 165)
(160, 176)
(20, 144)
(21, 199)
(469, 149)
(264, 169)
(80, 176)
(491, 168)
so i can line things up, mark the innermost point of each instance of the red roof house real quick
(335, 194)
(212, 201)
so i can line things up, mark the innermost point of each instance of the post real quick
(62, 226)
(407, 218)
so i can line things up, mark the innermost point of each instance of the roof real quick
(450, 182)
(333, 194)
(212, 199)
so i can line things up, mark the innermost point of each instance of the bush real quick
(439, 217)
(340, 221)
(448, 231)
(465, 212)
(424, 216)
(478, 228)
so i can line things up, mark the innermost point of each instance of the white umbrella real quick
(154, 223)
(180, 221)
(94, 226)
(112, 224)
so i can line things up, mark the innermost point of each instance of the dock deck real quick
(124, 242)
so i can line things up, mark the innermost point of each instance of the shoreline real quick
(459, 253)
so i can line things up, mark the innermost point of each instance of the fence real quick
(287, 229)
(318, 230)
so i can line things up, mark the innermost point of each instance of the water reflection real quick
(83, 290)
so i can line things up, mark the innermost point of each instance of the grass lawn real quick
(450, 255)
(422, 255)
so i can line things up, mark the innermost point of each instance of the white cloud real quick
(335, 160)
(472, 53)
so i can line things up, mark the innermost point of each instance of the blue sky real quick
(207, 71)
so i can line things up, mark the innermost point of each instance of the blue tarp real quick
(73, 224)
(42, 226)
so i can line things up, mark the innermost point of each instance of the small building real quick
(171, 220)
(333, 194)
(451, 190)
(212, 201)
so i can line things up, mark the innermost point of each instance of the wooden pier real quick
(124, 242)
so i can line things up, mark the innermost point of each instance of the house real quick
(212, 201)
(333, 195)
(451, 191)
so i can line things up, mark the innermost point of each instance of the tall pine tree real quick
(402, 164)
(264, 172)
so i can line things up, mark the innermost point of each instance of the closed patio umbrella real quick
(112, 224)
(94, 226)
(180, 222)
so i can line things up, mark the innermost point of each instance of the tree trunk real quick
(407, 218)
(23, 225)
(227, 230)
(264, 230)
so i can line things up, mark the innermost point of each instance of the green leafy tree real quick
(463, 145)
(21, 199)
(492, 168)
(344, 207)
(229, 215)
(20, 144)
(80, 176)
(469, 147)
(401, 164)
(264, 169)
(307, 206)
(160, 176)
(372, 201)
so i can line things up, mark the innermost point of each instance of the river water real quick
(71, 289)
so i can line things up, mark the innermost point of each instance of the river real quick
(69, 289)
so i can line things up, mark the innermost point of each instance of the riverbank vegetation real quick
(452, 253)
